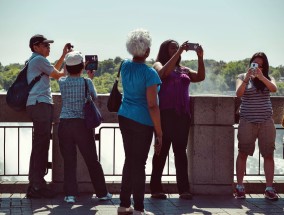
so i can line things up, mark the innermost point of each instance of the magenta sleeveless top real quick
(174, 92)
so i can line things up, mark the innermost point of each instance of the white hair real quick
(138, 41)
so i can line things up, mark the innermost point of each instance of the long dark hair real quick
(265, 69)
(163, 55)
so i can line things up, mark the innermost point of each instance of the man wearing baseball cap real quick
(40, 110)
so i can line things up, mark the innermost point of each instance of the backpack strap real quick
(37, 78)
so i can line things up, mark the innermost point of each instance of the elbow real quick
(152, 106)
(274, 90)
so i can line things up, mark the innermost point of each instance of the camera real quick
(92, 62)
(192, 46)
(253, 65)
(69, 46)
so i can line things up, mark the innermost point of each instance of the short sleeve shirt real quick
(256, 106)
(41, 91)
(136, 78)
(73, 96)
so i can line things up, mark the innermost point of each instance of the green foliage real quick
(220, 76)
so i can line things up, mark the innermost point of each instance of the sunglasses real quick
(46, 45)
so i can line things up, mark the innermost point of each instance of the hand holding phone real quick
(91, 62)
(192, 46)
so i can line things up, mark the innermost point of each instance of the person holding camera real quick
(175, 112)
(72, 131)
(40, 110)
(138, 117)
(254, 88)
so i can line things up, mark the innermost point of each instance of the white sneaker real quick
(135, 212)
(107, 197)
(70, 199)
(124, 210)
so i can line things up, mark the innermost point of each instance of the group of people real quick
(155, 101)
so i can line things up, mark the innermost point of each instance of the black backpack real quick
(18, 93)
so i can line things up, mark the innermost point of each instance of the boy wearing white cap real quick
(73, 133)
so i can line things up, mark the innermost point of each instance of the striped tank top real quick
(256, 105)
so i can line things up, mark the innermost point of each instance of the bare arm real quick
(165, 70)
(200, 74)
(56, 74)
(152, 99)
(270, 84)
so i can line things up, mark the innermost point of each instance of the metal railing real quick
(14, 150)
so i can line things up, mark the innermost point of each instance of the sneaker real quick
(186, 196)
(159, 196)
(124, 210)
(240, 192)
(107, 197)
(70, 199)
(135, 212)
(35, 193)
(271, 194)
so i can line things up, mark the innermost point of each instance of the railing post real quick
(211, 145)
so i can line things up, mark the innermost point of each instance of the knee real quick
(242, 156)
(268, 157)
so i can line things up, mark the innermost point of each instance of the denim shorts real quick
(265, 132)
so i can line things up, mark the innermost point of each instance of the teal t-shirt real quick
(136, 77)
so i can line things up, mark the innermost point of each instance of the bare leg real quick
(269, 170)
(241, 167)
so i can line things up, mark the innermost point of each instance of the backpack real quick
(18, 93)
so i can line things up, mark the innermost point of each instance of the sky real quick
(228, 30)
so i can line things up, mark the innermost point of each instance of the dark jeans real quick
(175, 131)
(41, 115)
(72, 133)
(137, 140)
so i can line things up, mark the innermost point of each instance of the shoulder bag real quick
(115, 97)
(93, 117)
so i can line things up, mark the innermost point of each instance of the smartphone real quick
(253, 65)
(192, 46)
(92, 62)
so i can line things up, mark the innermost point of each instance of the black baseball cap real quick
(38, 38)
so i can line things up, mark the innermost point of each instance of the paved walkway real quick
(87, 204)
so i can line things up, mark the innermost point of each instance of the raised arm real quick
(56, 74)
(165, 70)
(199, 75)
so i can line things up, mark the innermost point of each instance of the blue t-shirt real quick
(41, 91)
(73, 96)
(136, 78)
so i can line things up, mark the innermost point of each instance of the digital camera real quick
(253, 65)
(69, 46)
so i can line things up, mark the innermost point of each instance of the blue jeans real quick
(137, 140)
(175, 131)
(41, 115)
(72, 133)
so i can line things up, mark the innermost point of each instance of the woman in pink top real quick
(175, 112)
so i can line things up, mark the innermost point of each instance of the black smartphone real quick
(192, 46)
(92, 62)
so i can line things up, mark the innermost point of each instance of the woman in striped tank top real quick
(254, 88)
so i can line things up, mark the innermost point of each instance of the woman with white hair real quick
(138, 117)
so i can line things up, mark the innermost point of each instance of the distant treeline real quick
(220, 76)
